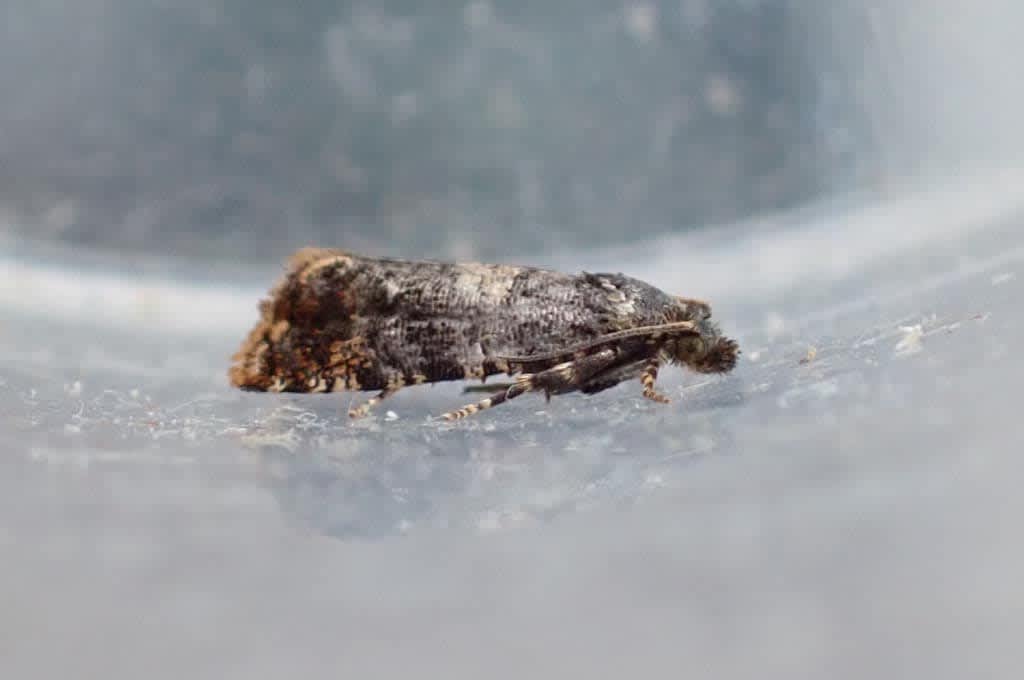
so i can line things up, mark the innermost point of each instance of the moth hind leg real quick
(501, 396)
(364, 409)
(550, 381)
(613, 376)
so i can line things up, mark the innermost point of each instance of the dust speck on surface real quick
(1004, 277)
(910, 343)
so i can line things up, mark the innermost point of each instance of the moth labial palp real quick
(342, 321)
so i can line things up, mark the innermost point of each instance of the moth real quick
(340, 321)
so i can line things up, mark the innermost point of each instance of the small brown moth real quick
(340, 321)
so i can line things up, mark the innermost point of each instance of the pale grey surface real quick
(853, 516)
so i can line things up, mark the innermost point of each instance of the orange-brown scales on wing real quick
(303, 341)
(340, 321)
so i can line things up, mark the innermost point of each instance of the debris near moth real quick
(340, 321)
(809, 356)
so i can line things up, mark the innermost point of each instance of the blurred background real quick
(474, 129)
(842, 180)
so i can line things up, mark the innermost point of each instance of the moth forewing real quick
(341, 321)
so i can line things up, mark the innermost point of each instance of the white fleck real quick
(489, 521)
(702, 442)
(476, 280)
(134, 393)
(641, 19)
(391, 415)
(477, 15)
(625, 308)
(404, 107)
(654, 480)
(74, 389)
(391, 290)
(722, 97)
(910, 343)
(754, 356)
(774, 325)
(1005, 277)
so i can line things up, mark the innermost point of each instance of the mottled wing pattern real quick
(341, 321)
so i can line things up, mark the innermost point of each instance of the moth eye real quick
(695, 346)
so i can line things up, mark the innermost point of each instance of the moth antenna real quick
(493, 387)
(674, 328)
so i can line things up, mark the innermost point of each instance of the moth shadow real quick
(526, 464)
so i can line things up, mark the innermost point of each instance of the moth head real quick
(706, 351)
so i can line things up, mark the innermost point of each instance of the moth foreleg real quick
(364, 408)
(648, 378)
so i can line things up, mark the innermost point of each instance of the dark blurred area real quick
(242, 129)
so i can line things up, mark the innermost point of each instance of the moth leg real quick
(364, 408)
(647, 379)
(612, 376)
(513, 391)
(570, 375)
(565, 377)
